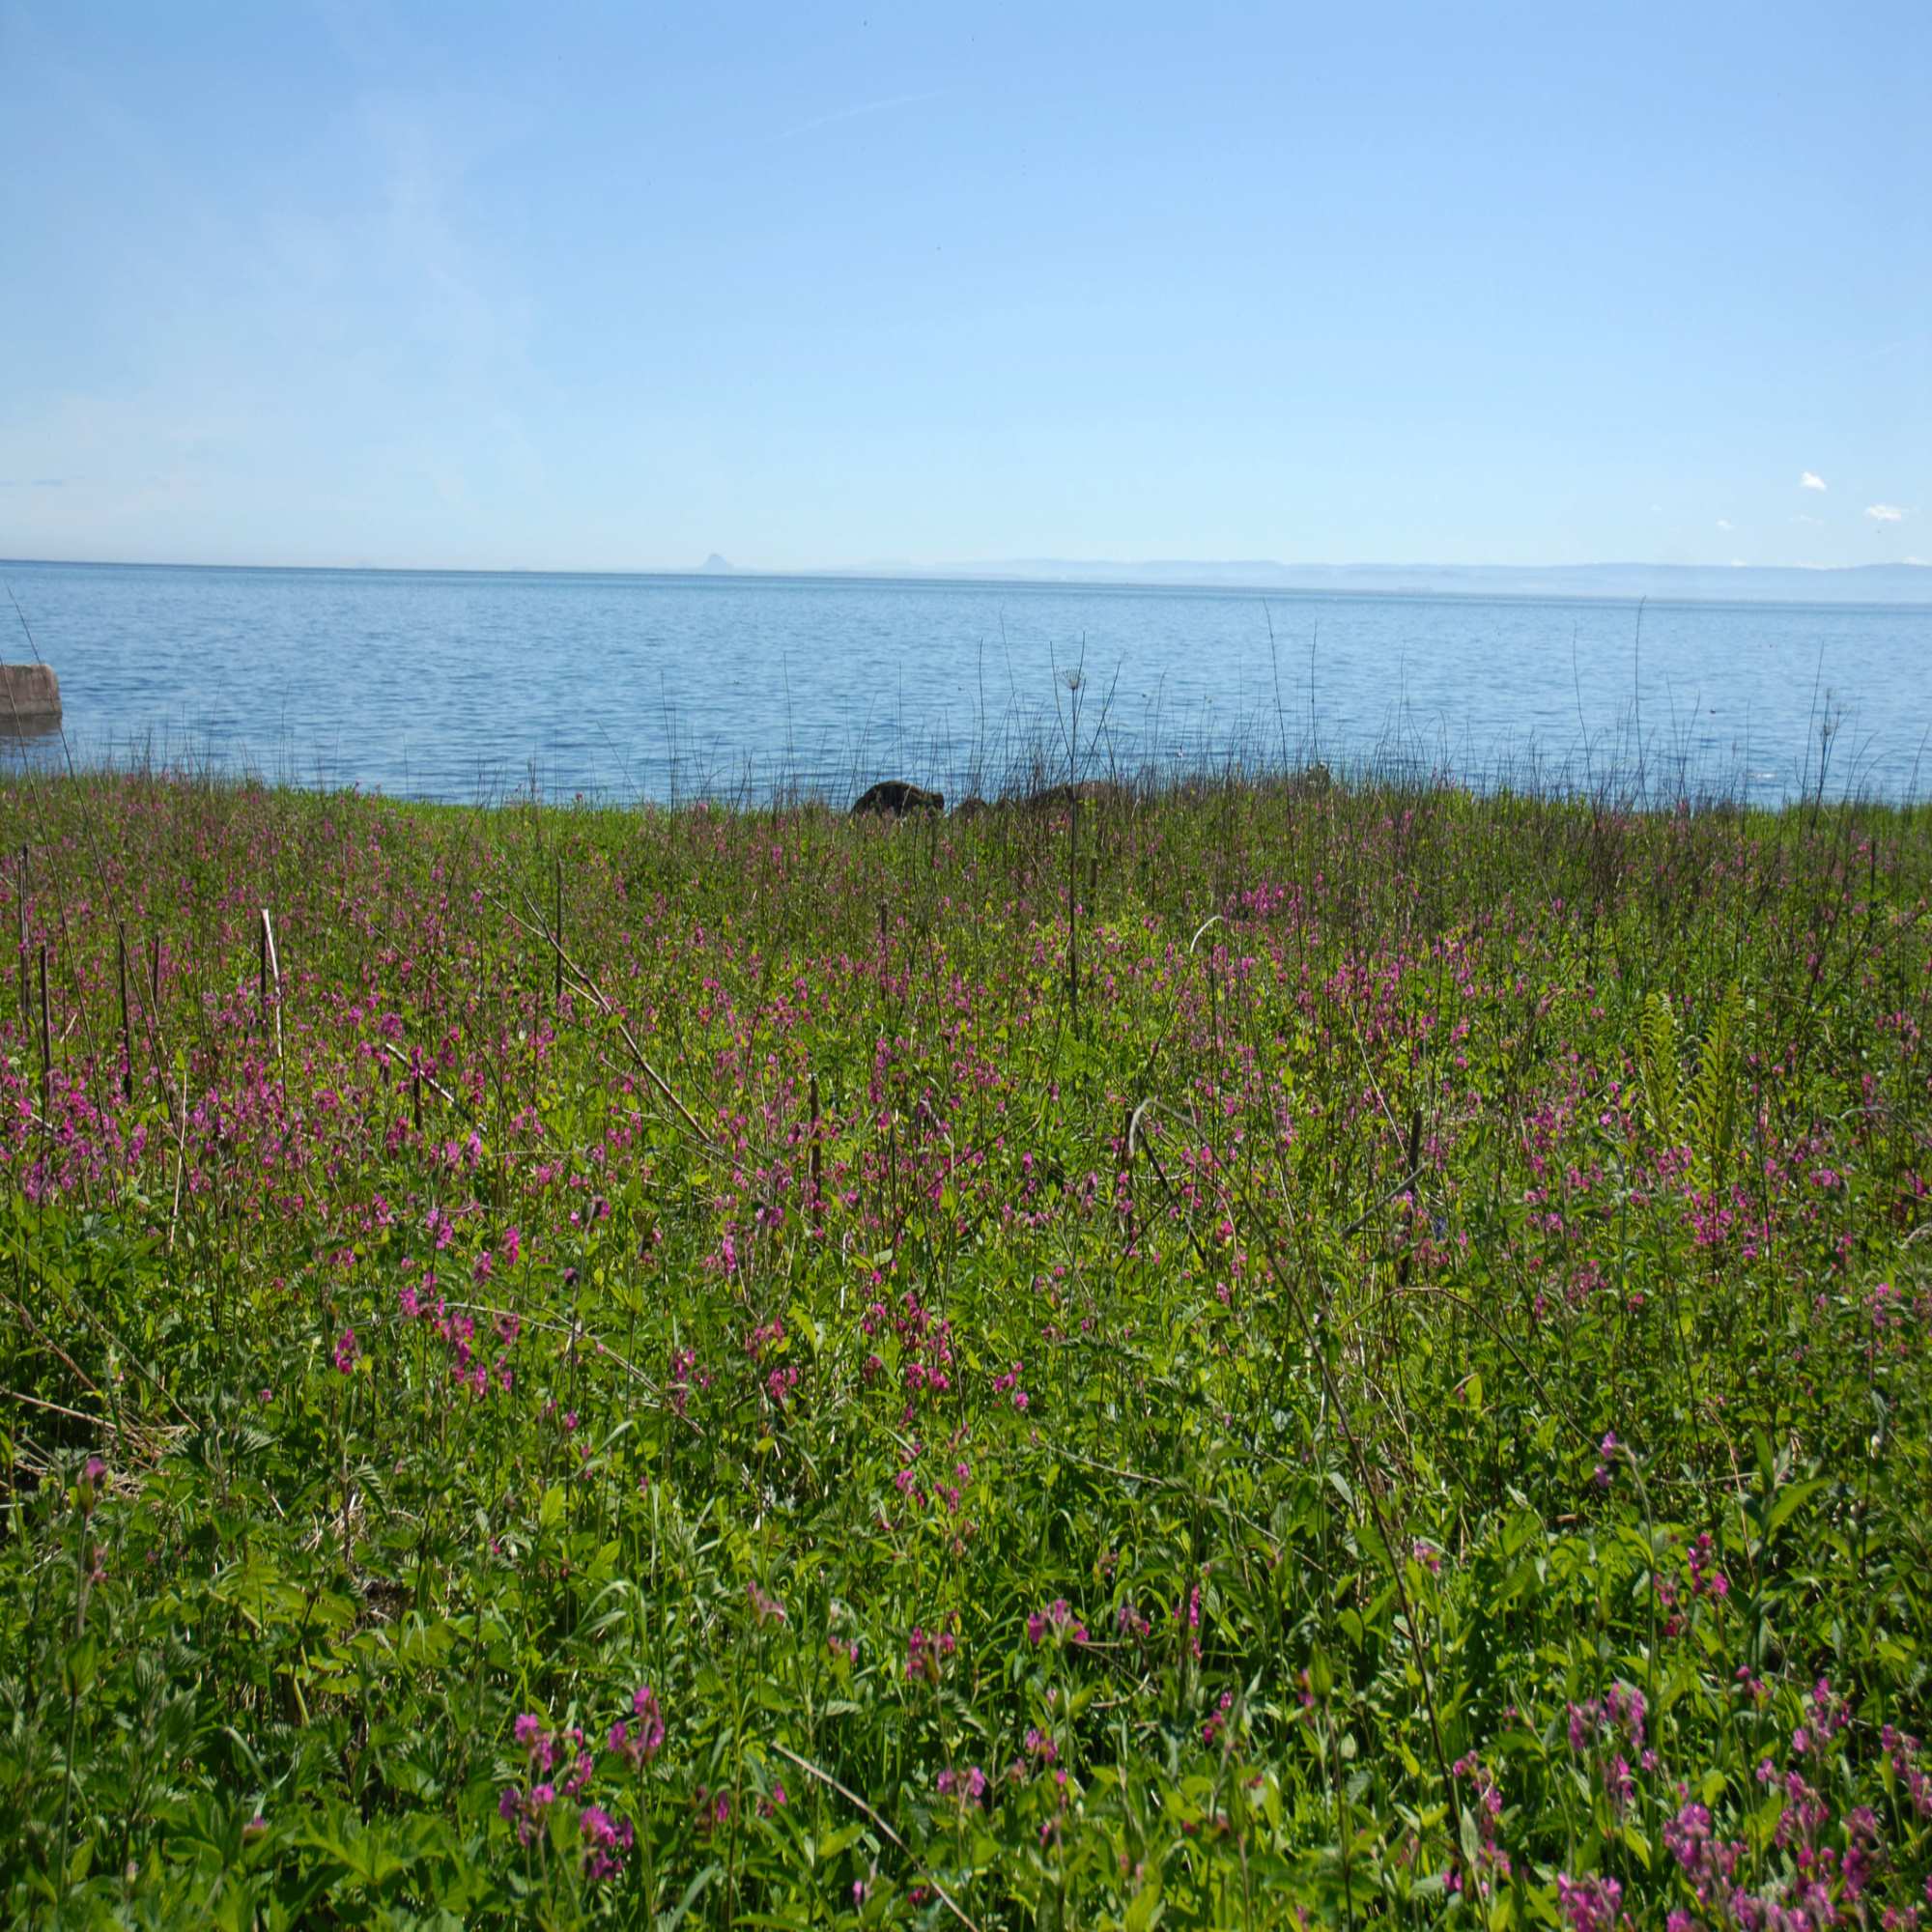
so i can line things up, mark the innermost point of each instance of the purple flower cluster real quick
(926, 1655)
(1902, 1750)
(1218, 1724)
(605, 1842)
(1589, 1904)
(969, 1786)
(558, 1767)
(1056, 1617)
(637, 1744)
(1609, 1731)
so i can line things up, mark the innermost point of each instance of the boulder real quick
(891, 797)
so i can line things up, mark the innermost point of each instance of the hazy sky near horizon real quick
(510, 287)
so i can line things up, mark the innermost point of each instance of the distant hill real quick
(714, 565)
(1858, 583)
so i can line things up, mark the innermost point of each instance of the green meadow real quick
(1279, 1355)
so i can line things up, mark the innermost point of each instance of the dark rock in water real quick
(1089, 791)
(29, 695)
(971, 808)
(891, 797)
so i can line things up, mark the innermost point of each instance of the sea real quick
(477, 687)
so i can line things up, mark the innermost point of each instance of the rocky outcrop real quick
(1089, 791)
(890, 797)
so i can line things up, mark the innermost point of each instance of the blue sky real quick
(617, 286)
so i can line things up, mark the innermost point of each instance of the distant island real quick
(1852, 583)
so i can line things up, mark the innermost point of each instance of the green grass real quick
(1391, 1387)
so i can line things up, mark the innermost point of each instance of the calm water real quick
(465, 687)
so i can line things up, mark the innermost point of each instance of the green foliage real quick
(1414, 1387)
(1658, 1050)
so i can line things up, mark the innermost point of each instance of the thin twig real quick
(852, 1797)
(402, 1059)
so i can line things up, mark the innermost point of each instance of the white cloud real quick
(1725, 524)
(1817, 523)
(1811, 480)
(1886, 513)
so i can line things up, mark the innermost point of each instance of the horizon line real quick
(710, 566)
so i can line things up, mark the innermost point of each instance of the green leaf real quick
(83, 1658)
(1791, 1498)
(1145, 1910)
(669, 1922)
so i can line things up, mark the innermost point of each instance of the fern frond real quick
(1657, 1055)
(1714, 1090)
